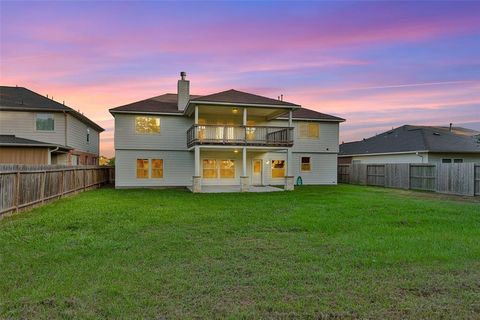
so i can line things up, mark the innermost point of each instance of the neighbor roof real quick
(235, 96)
(413, 138)
(13, 141)
(20, 98)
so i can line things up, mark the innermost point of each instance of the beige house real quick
(38, 130)
(230, 138)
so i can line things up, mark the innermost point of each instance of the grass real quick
(317, 252)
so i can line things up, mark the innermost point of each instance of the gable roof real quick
(20, 98)
(410, 138)
(234, 96)
(165, 103)
(308, 114)
(7, 140)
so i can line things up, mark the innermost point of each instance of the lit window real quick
(45, 122)
(209, 169)
(157, 168)
(142, 168)
(278, 168)
(147, 125)
(250, 130)
(227, 169)
(306, 166)
(309, 130)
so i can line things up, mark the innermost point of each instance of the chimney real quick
(183, 91)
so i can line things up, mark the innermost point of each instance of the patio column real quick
(290, 116)
(289, 178)
(197, 179)
(244, 180)
(196, 114)
(244, 116)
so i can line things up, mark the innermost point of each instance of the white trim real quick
(239, 104)
(379, 154)
(311, 119)
(146, 112)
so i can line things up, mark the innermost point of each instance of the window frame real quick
(215, 169)
(157, 169)
(309, 164)
(304, 133)
(146, 133)
(36, 118)
(220, 169)
(277, 169)
(147, 169)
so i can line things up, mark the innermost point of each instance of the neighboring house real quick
(227, 138)
(37, 130)
(415, 144)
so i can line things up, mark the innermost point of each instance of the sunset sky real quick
(377, 64)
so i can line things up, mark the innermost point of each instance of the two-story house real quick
(38, 130)
(230, 138)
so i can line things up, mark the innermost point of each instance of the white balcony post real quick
(244, 162)
(290, 118)
(197, 180)
(196, 114)
(197, 161)
(244, 116)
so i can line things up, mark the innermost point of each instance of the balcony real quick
(234, 135)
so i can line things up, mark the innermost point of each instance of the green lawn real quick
(317, 252)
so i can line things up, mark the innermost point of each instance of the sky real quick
(377, 64)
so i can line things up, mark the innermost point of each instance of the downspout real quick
(50, 154)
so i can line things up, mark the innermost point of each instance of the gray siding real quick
(77, 136)
(393, 158)
(22, 124)
(467, 157)
(172, 136)
(177, 168)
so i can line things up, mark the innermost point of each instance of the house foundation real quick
(244, 184)
(289, 183)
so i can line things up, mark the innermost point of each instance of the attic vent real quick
(436, 134)
(389, 132)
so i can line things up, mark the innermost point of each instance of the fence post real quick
(17, 190)
(42, 187)
(84, 179)
(62, 191)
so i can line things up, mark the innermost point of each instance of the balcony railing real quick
(206, 134)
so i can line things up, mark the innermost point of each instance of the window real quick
(278, 168)
(45, 122)
(209, 169)
(157, 168)
(457, 160)
(142, 168)
(305, 165)
(147, 125)
(250, 130)
(88, 135)
(309, 130)
(227, 169)
(446, 160)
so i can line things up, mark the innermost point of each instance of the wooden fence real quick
(24, 186)
(451, 178)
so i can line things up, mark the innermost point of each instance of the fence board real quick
(451, 178)
(455, 178)
(22, 186)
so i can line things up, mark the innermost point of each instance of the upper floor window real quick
(45, 122)
(309, 130)
(88, 135)
(147, 125)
